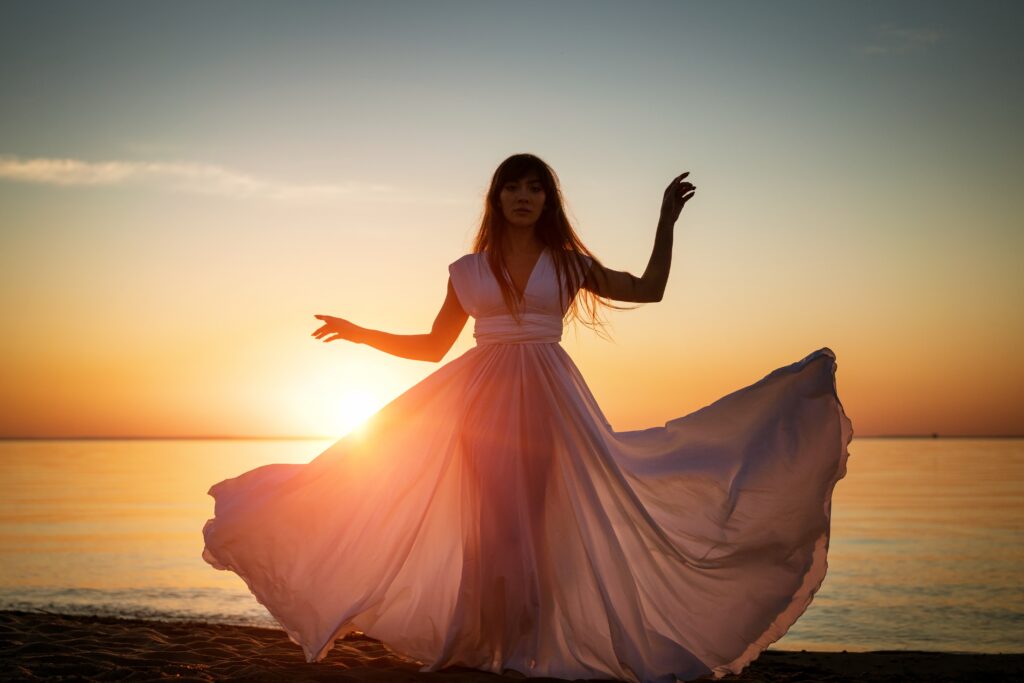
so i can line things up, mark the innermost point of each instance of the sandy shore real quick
(37, 646)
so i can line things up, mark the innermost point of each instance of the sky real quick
(183, 186)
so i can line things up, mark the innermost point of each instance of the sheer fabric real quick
(490, 516)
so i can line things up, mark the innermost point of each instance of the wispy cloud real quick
(892, 40)
(199, 178)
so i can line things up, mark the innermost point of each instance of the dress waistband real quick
(533, 328)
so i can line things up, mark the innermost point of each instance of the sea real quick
(926, 550)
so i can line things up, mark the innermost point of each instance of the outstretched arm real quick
(623, 286)
(432, 347)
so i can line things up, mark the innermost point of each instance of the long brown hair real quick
(553, 230)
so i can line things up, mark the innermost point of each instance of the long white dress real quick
(490, 517)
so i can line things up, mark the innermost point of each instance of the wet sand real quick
(36, 646)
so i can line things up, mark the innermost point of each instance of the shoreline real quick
(40, 645)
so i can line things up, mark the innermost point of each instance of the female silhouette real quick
(490, 516)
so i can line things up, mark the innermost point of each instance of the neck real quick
(521, 239)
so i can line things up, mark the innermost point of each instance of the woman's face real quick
(522, 201)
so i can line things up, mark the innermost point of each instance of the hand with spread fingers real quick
(336, 328)
(678, 192)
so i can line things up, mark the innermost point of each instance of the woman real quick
(490, 516)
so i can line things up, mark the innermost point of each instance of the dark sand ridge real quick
(37, 646)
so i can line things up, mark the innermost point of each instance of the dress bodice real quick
(544, 302)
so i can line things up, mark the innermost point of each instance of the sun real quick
(354, 408)
(335, 409)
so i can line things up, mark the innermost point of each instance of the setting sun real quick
(333, 409)
(354, 408)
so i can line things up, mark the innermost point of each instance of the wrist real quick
(358, 335)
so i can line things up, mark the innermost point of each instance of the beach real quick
(39, 646)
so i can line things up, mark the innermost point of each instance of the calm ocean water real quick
(927, 548)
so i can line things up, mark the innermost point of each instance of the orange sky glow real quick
(170, 223)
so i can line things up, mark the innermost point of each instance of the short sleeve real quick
(582, 263)
(585, 266)
(578, 266)
(460, 273)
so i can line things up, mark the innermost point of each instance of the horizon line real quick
(242, 437)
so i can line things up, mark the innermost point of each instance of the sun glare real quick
(332, 410)
(354, 409)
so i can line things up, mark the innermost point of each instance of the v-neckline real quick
(529, 279)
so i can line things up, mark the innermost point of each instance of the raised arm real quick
(431, 347)
(622, 286)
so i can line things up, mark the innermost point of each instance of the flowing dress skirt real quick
(490, 517)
